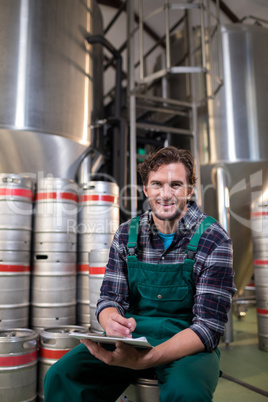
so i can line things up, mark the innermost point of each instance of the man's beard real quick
(179, 210)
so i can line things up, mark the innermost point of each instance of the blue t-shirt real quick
(166, 238)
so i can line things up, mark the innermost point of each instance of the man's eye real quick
(156, 185)
(176, 185)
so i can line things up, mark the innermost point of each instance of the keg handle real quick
(47, 341)
(29, 344)
(41, 257)
(11, 180)
(10, 334)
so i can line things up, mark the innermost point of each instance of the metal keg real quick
(15, 240)
(93, 241)
(54, 260)
(143, 390)
(98, 208)
(83, 296)
(97, 263)
(86, 243)
(46, 315)
(18, 365)
(16, 200)
(56, 205)
(259, 226)
(54, 342)
(54, 242)
(14, 288)
(53, 289)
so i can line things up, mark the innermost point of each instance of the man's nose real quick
(166, 191)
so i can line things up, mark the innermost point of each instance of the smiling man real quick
(168, 192)
(169, 277)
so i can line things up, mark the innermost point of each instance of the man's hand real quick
(123, 356)
(115, 324)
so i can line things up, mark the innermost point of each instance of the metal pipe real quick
(203, 33)
(222, 190)
(196, 154)
(121, 123)
(168, 61)
(219, 41)
(93, 39)
(116, 16)
(132, 111)
(141, 40)
(220, 180)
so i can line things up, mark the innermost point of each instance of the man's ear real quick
(190, 193)
(145, 191)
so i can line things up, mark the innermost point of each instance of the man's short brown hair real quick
(165, 156)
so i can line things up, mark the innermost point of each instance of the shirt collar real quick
(190, 219)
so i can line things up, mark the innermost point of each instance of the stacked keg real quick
(98, 220)
(18, 365)
(54, 257)
(54, 343)
(259, 226)
(16, 200)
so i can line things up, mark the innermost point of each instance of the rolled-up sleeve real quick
(214, 290)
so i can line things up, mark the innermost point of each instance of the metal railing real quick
(209, 26)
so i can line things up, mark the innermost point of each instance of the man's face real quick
(168, 192)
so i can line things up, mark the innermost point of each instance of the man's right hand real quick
(115, 324)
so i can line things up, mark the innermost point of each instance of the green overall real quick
(161, 301)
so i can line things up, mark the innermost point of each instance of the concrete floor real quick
(244, 361)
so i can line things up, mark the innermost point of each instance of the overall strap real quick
(191, 249)
(133, 236)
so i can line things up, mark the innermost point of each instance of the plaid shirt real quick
(213, 271)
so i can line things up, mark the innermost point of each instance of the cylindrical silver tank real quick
(51, 83)
(238, 141)
(238, 115)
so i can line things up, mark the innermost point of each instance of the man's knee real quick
(181, 392)
(51, 374)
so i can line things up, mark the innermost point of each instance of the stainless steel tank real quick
(238, 115)
(238, 141)
(51, 84)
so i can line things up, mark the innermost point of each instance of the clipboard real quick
(140, 342)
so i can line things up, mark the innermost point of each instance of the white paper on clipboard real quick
(140, 342)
